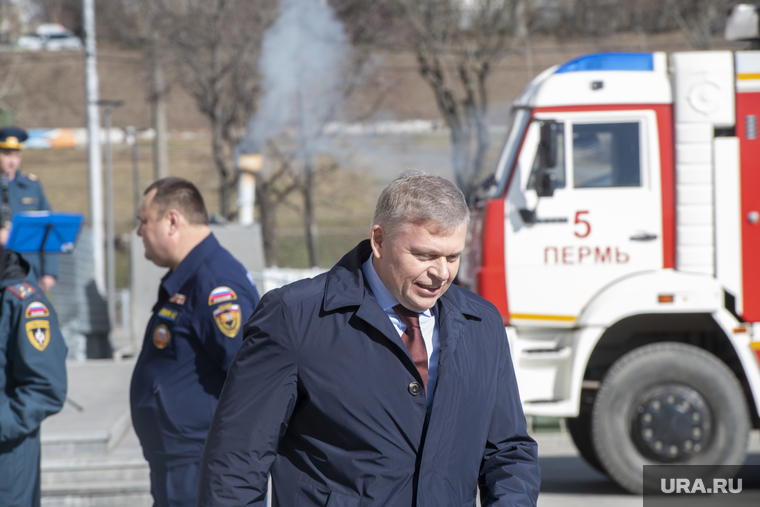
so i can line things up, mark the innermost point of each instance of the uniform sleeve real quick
(219, 314)
(509, 473)
(253, 412)
(50, 266)
(36, 368)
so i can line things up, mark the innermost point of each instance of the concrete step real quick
(80, 471)
(98, 494)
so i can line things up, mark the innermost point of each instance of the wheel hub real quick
(671, 423)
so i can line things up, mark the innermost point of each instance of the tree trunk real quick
(267, 218)
(219, 154)
(310, 226)
(158, 109)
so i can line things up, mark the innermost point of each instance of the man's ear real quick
(377, 239)
(175, 218)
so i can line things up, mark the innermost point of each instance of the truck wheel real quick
(580, 431)
(668, 403)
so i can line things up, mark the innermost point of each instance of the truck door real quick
(602, 222)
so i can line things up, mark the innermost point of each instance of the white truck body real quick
(640, 230)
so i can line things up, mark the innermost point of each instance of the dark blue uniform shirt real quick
(195, 331)
(25, 193)
(32, 378)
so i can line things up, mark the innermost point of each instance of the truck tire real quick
(668, 403)
(580, 431)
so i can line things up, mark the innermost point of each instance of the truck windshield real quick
(518, 122)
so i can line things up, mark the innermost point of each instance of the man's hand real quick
(5, 233)
(46, 282)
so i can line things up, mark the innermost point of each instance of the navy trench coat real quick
(320, 394)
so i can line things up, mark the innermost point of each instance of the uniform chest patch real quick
(220, 295)
(168, 314)
(22, 290)
(178, 299)
(161, 336)
(38, 332)
(28, 200)
(227, 318)
(36, 309)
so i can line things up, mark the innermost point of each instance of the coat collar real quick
(346, 287)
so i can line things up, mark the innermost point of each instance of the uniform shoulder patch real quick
(227, 318)
(220, 295)
(178, 299)
(22, 290)
(36, 309)
(38, 332)
(30, 176)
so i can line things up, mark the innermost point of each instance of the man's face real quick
(10, 161)
(154, 231)
(418, 263)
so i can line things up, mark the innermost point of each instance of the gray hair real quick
(418, 198)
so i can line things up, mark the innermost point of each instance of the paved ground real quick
(97, 416)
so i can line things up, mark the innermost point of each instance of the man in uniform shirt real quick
(22, 192)
(32, 378)
(195, 331)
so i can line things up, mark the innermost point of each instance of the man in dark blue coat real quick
(19, 192)
(195, 331)
(32, 378)
(378, 383)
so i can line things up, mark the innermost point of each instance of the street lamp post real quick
(109, 106)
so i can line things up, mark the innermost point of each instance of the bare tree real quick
(457, 44)
(699, 20)
(217, 44)
(138, 24)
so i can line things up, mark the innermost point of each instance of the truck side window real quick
(558, 171)
(606, 155)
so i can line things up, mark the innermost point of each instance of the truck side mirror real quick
(547, 158)
(545, 184)
(547, 146)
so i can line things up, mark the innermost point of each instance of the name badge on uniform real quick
(28, 200)
(38, 332)
(161, 336)
(227, 318)
(220, 295)
(167, 314)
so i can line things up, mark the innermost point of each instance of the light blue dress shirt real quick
(427, 324)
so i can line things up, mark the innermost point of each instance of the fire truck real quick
(619, 237)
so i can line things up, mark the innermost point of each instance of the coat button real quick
(414, 388)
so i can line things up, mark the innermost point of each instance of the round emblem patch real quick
(38, 332)
(161, 336)
(227, 318)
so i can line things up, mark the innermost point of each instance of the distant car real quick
(52, 37)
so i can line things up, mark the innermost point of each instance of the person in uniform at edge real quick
(32, 378)
(378, 383)
(22, 192)
(191, 338)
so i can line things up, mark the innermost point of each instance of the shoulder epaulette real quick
(22, 290)
(30, 176)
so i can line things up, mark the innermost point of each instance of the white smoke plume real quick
(303, 57)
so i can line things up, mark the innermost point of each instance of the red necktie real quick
(413, 340)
